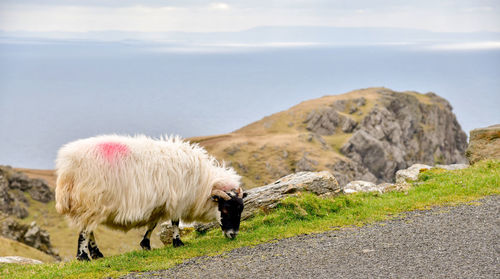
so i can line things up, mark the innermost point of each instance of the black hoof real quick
(96, 254)
(177, 242)
(83, 257)
(146, 244)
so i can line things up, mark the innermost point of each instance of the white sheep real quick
(127, 182)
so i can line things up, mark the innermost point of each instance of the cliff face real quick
(402, 130)
(365, 134)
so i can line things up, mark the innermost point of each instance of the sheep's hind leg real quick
(176, 238)
(146, 242)
(94, 250)
(83, 252)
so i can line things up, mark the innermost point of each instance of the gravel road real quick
(445, 242)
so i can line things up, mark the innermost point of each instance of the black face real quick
(230, 213)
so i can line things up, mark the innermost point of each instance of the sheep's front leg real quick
(176, 237)
(83, 252)
(146, 242)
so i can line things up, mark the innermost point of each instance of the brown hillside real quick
(310, 136)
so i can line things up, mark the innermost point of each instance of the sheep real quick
(127, 182)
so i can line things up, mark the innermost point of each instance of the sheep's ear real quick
(245, 194)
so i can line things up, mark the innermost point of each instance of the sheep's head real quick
(230, 206)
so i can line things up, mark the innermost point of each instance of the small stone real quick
(411, 173)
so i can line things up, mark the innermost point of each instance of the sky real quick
(237, 15)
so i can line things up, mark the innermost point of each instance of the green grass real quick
(302, 214)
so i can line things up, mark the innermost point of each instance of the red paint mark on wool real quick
(112, 150)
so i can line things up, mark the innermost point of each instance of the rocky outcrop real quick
(402, 130)
(484, 143)
(366, 134)
(332, 119)
(12, 202)
(31, 235)
(14, 185)
(399, 130)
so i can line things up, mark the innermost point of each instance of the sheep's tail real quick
(64, 186)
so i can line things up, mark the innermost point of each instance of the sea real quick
(56, 91)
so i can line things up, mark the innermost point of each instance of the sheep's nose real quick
(230, 234)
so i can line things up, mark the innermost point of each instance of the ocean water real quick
(52, 92)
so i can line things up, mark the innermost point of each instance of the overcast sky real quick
(206, 16)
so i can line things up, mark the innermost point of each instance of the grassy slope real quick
(304, 213)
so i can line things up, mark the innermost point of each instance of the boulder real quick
(268, 196)
(411, 173)
(484, 143)
(166, 232)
